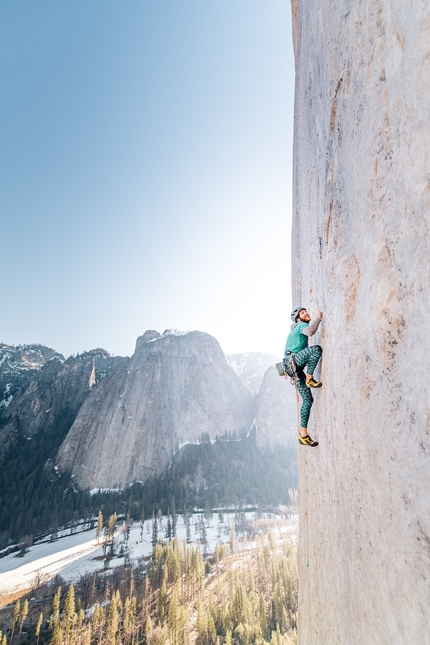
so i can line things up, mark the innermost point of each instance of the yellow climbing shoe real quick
(307, 441)
(312, 383)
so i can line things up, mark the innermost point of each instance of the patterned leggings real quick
(310, 356)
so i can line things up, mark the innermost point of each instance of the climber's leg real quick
(310, 357)
(305, 410)
(307, 400)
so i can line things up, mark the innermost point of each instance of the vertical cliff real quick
(361, 253)
(175, 388)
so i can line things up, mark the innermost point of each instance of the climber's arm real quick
(310, 329)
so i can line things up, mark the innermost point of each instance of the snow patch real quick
(170, 332)
(72, 556)
(94, 491)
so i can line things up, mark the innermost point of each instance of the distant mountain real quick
(52, 394)
(18, 365)
(276, 420)
(175, 420)
(276, 417)
(175, 388)
(252, 366)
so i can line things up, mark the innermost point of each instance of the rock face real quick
(51, 398)
(175, 388)
(18, 365)
(276, 419)
(361, 250)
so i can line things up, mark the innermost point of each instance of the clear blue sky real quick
(145, 171)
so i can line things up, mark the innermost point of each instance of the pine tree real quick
(173, 512)
(149, 629)
(24, 614)
(99, 528)
(15, 618)
(69, 608)
(154, 531)
(211, 630)
(55, 610)
(201, 624)
(112, 622)
(162, 598)
(110, 532)
(168, 533)
(87, 635)
(172, 618)
(142, 524)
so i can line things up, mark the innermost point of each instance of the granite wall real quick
(361, 253)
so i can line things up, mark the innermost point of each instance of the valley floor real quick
(75, 555)
(244, 593)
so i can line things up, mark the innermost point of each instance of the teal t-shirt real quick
(297, 341)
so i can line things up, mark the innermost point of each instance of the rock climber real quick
(297, 356)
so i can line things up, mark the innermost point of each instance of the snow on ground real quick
(73, 556)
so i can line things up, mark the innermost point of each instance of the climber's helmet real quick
(295, 313)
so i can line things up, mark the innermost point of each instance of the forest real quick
(35, 500)
(245, 593)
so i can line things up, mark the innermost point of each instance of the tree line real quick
(36, 500)
(244, 594)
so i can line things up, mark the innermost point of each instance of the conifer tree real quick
(15, 618)
(55, 609)
(168, 533)
(142, 524)
(172, 618)
(201, 624)
(154, 531)
(112, 621)
(69, 608)
(173, 513)
(23, 616)
(110, 532)
(211, 633)
(99, 528)
(87, 635)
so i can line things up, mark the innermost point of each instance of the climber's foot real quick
(311, 383)
(307, 441)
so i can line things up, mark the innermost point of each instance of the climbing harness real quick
(288, 369)
(291, 368)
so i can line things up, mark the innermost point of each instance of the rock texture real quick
(49, 401)
(175, 388)
(18, 365)
(276, 419)
(361, 253)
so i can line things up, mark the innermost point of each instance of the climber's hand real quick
(319, 314)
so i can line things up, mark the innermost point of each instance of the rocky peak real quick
(51, 396)
(18, 364)
(276, 419)
(150, 334)
(176, 387)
